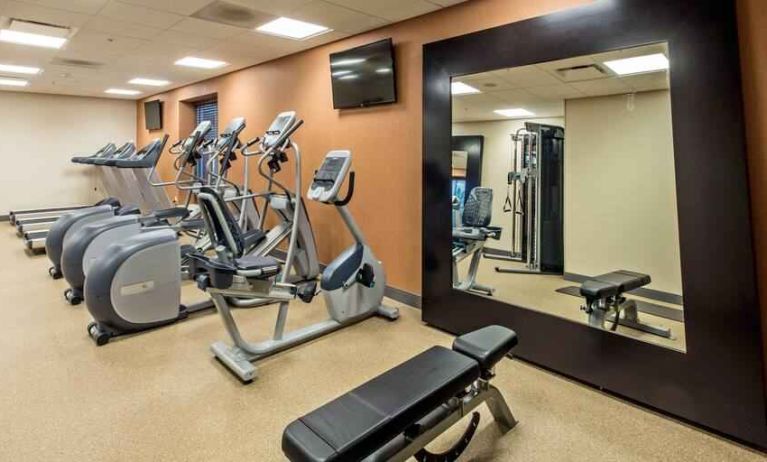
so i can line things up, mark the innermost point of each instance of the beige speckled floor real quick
(161, 397)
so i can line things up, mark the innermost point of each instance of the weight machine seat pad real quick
(487, 346)
(359, 422)
(614, 283)
(173, 212)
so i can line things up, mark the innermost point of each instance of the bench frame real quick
(438, 421)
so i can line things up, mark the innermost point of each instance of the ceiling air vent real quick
(76, 63)
(35, 27)
(233, 15)
(580, 73)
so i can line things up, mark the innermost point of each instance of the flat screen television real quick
(153, 115)
(364, 76)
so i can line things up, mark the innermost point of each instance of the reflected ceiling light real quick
(340, 73)
(292, 29)
(13, 82)
(13, 69)
(150, 82)
(349, 77)
(460, 88)
(122, 91)
(201, 63)
(28, 38)
(639, 64)
(515, 112)
(347, 62)
(384, 70)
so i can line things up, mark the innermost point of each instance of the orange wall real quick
(385, 141)
(752, 18)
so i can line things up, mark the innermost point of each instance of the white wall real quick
(496, 164)
(620, 190)
(40, 133)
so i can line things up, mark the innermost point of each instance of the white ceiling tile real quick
(140, 15)
(206, 28)
(337, 17)
(184, 38)
(22, 55)
(526, 76)
(602, 87)
(78, 6)
(182, 7)
(555, 92)
(393, 10)
(30, 12)
(98, 43)
(117, 27)
(647, 82)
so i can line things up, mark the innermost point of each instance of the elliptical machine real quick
(353, 283)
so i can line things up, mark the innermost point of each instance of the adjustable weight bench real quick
(605, 302)
(395, 415)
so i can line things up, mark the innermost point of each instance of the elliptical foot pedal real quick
(307, 291)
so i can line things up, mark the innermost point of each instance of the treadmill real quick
(35, 230)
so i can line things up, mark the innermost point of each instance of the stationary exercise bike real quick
(353, 283)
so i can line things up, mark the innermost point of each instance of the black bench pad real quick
(487, 345)
(361, 421)
(614, 283)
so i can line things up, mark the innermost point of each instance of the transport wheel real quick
(99, 336)
(72, 298)
(55, 274)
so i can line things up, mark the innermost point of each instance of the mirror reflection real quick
(563, 192)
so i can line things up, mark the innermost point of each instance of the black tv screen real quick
(153, 114)
(364, 76)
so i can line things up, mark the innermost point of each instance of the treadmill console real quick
(329, 178)
(279, 126)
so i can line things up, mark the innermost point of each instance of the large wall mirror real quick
(585, 184)
(577, 191)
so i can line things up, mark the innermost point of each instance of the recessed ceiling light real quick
(639, 64)
(13, 82)
(384, 70)
(122, 91)
(150, 82)
(27, 38)
(347, 62)
(515, 112)
(460, 88)
(340, 73)
(13, 69)
(349, 77)
(292, 28)
(191, 61)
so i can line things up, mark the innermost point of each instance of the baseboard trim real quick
(403, 296)
(5, 218)
(652, 294)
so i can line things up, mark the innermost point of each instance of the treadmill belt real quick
(644, 307)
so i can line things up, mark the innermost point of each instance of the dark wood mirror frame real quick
(718, 383)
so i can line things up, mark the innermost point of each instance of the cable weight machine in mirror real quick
(535, 199)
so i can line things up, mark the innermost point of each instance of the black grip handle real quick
(252, 142)
(349, 192)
